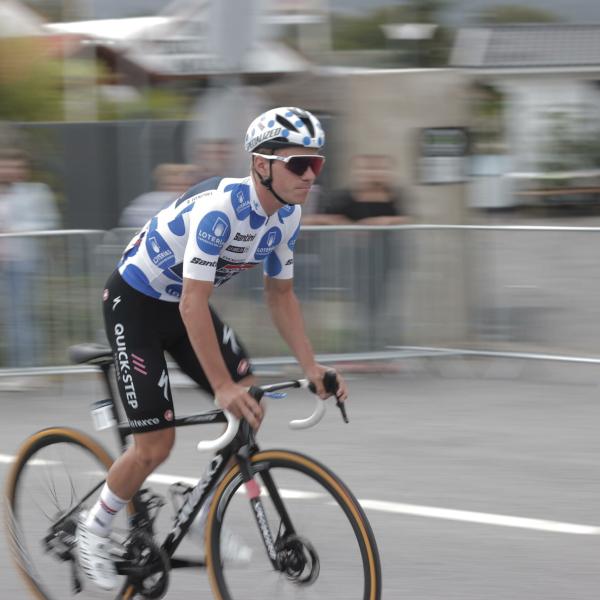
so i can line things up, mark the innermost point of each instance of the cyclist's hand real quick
(316, 373)
(239, 403)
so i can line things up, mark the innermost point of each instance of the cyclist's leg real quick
(142, 380)
(237, 362)
(233, 351)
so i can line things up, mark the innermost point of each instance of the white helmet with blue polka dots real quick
(284, 127)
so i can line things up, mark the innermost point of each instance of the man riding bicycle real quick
(157, 300)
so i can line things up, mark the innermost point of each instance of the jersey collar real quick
(255, 202)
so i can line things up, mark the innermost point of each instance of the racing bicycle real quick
(307, 534)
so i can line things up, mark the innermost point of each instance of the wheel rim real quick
(335, 542)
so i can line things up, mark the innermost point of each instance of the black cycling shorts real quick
(140, 329)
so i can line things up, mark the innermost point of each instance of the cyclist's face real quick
(290, 186)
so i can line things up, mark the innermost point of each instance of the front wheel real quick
(321, 544)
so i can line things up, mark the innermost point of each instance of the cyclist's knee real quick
(153, 447)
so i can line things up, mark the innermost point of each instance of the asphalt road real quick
(476, 477)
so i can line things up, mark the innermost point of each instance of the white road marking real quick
(416, 510)
(7, 459)
(477, 517)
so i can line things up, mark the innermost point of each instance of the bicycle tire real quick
(21, 515)
(358, 545)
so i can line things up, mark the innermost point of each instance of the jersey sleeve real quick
(210, 229)
(280, 262)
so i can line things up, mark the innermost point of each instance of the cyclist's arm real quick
(198, 322)
(287, 315)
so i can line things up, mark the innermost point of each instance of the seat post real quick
(105, 367)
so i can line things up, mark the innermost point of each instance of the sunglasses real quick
(298, 163)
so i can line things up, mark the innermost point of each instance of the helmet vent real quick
(283, 121)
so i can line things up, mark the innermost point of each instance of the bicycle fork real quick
(253, 490)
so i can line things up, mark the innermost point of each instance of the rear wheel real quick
(322, 545)
(57, 473)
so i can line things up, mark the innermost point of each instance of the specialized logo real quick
(139, 364)
(194, 496)
(205, 263)
(244, 237)
(267, 243)
(267, 135)
(229, 338)
(116, 302)
(163, 383)
(136, 423)
(159, 251)
(212, 232)
(123, 366)
(289, 262)
(236, 249)
(264, 528)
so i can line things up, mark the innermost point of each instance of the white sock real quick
(101, 516)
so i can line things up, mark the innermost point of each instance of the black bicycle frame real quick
(242, 447)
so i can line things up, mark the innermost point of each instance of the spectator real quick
(370, 200)
(25, 206)
(170, 181)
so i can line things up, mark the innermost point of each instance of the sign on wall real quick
(442, 155)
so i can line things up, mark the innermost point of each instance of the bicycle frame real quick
(242, 448)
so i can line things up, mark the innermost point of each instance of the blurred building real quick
(547, 79)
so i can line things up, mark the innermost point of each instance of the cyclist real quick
(157, 300)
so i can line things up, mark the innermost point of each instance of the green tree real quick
(514, 13)
(366, 32)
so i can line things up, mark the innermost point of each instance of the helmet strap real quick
(267, 182)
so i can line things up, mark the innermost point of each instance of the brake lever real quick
(331, 385)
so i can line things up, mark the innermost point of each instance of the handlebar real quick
(233, 423)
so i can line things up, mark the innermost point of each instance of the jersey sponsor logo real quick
(137, 423)
(244, 237)
(267, 243)
(289, 262)
(204, 263)
(139, 364)
(159, 251)
(237, 249)
(228, 268)
(174, 289)
(240, 200)
(213, 231)
(123, 366)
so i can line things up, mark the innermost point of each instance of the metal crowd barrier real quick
(367, 292)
